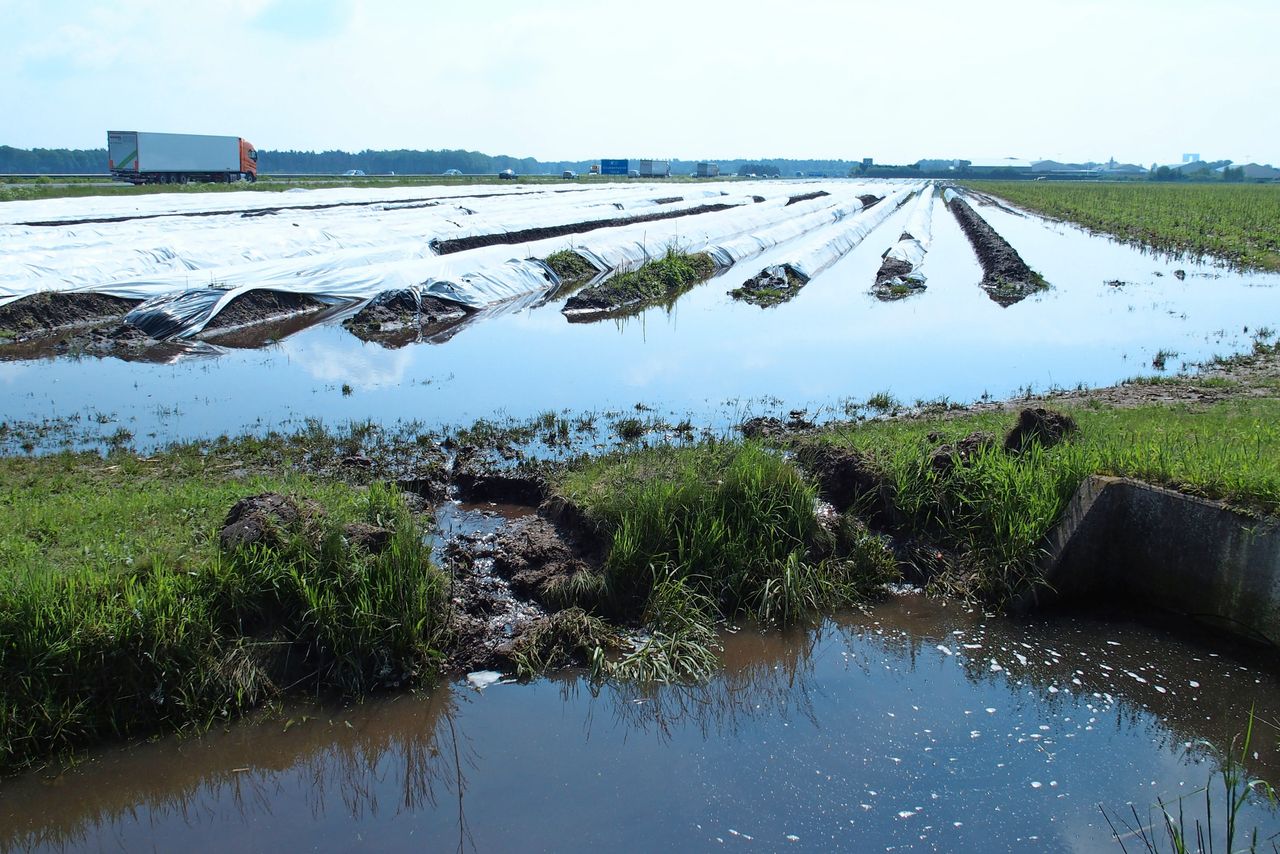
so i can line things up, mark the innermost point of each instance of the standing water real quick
(919, 725)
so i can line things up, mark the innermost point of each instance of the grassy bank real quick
(994, 508)
(121, 614)
(1237, 223)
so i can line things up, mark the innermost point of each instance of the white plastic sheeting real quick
(631, 246)
(478, 278)
(920, 226)
(99, 254)
(948, 194)
(829, 245)
(730, 252)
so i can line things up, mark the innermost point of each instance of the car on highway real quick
(507, 175)
(452, 173)
(353, 173)
(569, 174)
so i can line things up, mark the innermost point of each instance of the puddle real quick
(919, 725)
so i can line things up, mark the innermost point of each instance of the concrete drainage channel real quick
(1127, 541)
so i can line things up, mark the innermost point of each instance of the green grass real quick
(996, 509)
(121, 616)
(730, 524)
(1239, 223)
(571, 267)
(660, 280)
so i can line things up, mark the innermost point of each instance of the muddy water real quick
(918, 726)
(707, 356)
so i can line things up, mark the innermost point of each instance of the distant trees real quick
(764, 170)
(52, 160)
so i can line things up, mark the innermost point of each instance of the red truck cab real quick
(248, 160)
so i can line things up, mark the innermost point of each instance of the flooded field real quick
(1109, 313)
(916, 726)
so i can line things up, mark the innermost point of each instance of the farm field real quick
(552, 455)
(257, 296)
(1239, 223)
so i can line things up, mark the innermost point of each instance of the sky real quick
(1140, 81)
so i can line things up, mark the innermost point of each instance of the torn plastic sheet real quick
(185, 313)
(911, 250)
(476, 278)
(829, 245)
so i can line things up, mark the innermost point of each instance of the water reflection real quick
(918, 723)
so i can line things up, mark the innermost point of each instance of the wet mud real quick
(894, 279)
(261, 306)
(262, 333)
(771, 286)
(528, 235)
(1006, 277)
(44, 314)
(395, 319)
(518, 583)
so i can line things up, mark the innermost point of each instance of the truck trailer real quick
(176, 158)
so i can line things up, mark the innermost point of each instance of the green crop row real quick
(1238, 223)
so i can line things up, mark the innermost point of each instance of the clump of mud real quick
(771, 286)
(396, 318)
(44, 314)
(513, 589)
(260, 306)
(1006, 277)
(870, 201)
(262, 520)
(847, 479)
(1043, 426)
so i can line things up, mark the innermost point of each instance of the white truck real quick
(176, 158)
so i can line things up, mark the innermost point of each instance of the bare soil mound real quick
(397, 318)
(1044, 426)
(47, 312)
(1006, 277)
(261, 306)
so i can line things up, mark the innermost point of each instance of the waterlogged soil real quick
(707, 357)
(397, 318)
(771, 286)
(1005, 276)
(45, 314)
(919, 725)
(261, 306)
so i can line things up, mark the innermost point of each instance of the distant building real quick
(1191, 158)
(1002, 164)
(1253, 171)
